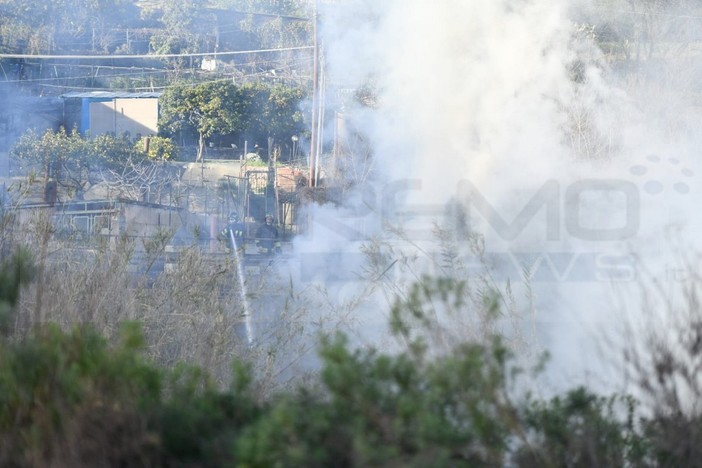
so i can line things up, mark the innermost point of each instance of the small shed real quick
(100, 112)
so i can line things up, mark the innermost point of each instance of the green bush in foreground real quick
(71, 399)
(68, 398)
(75, 399)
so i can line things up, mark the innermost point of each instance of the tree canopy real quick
(206, 109)
(63, 25)
(179, 26)
(221, 108)
(275, 111)
(187, 28)
(77, 163)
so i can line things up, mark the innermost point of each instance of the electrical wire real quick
(85, 77)
(155, 88)
(148, 72)
(149, 56)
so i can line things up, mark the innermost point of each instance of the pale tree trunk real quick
(200, 148)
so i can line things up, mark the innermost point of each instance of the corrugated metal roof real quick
(111, 95)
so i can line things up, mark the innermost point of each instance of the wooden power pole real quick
(315, 92)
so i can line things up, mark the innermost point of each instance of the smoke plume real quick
(575, 167)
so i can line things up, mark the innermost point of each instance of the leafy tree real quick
(109, 151)
(207, 109)
(383, 410)
(275, 7)
(156, 148)
(60, 156)
(68, 399)
(581, 429)
(186, 26)
(128, 169)
(63, 25)
(222, 108)
(282, 32)
(274, 112)
(269, 24)
(108, 15)
(70, 159)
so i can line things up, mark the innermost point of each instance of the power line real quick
(149, 56)
(84, 77)
(158, 87)
(149, 71)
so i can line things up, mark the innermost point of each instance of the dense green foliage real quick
(221, 108)
(41, 26)
(71, 398)
(205, 109)
(288, 30)
(279, 7)
(274, 112)
(14, 272)
(186, 29)
(77, 162)
(183, 26)
(156, 148)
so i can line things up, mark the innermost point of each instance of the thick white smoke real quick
(500, 104)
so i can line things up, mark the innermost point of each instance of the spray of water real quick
(248, 324)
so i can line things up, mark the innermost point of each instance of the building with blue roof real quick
(114, 112)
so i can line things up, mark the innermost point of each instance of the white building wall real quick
(135, 116)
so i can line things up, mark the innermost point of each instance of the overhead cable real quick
(148, 56)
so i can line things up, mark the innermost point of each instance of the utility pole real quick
(312, 182)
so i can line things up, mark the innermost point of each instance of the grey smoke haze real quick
(20, 113)
(515, 97)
